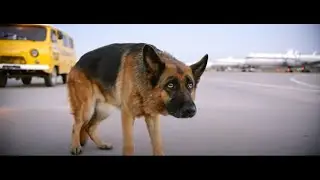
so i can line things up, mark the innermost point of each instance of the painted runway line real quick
(293, 79)
(265, 85)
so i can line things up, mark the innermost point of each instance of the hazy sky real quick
(190, 42)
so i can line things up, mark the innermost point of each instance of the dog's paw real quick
(105, 146)
(76, 150)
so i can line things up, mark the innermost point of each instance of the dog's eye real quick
(190, 85)
(170, 85)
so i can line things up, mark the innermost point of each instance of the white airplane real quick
(209, 64)
(223, 64)
(291, 58)
(264, 62)
(230, 61)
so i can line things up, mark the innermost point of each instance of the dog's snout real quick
(188, 111)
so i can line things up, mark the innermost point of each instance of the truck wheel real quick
(26, 80)
(3, 79)
(51, 79)
(64, 78)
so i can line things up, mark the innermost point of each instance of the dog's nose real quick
(188, 110)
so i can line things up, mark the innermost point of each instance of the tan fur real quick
(90, 104)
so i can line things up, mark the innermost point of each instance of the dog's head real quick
(175, 81)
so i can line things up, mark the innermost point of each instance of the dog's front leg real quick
(127, 130)
(153, 125)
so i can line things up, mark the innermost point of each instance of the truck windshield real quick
(16, 32)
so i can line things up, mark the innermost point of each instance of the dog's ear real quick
(199, 67)
(154, 65)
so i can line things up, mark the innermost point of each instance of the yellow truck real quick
(35, 50)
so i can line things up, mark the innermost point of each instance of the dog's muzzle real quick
(188, 110)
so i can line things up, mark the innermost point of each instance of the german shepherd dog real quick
(138, 79)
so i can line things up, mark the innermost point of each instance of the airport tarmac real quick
(238, 114)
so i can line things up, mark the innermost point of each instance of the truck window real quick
(54, 37)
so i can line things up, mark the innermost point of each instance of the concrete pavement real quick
(238, 114)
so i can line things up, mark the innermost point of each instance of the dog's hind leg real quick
(83, 135)
(102, 112)
(81, 118)
(82, 104)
